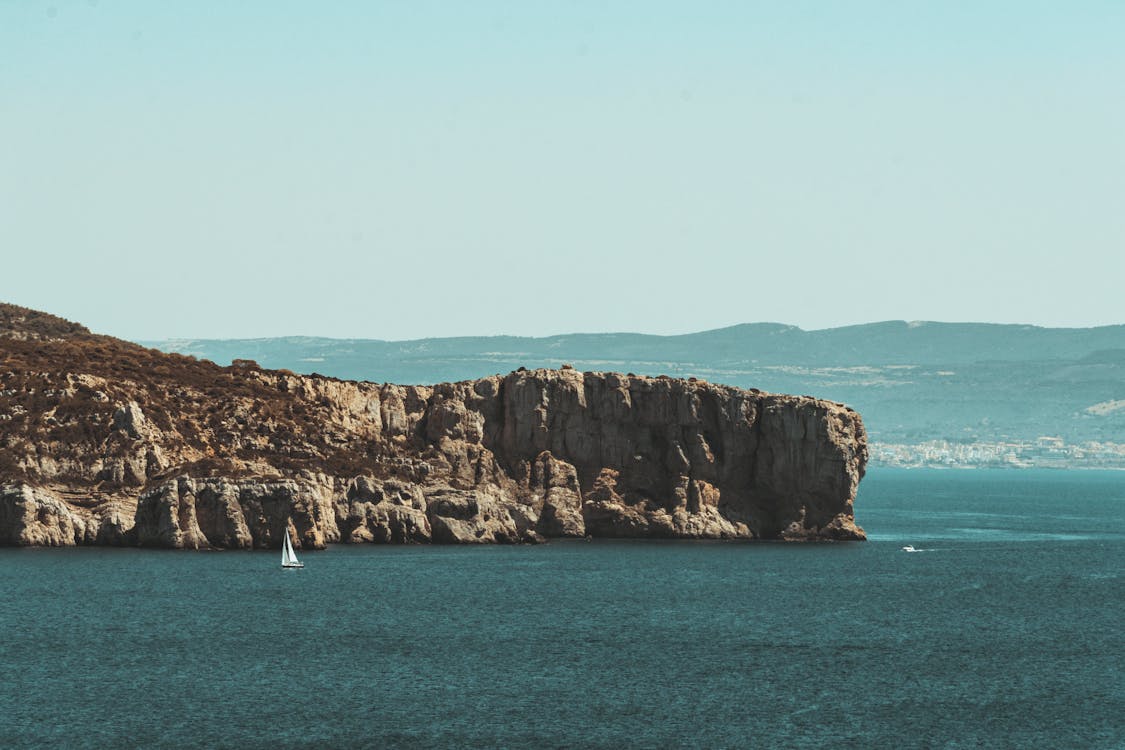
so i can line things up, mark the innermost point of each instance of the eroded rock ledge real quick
(107, 443)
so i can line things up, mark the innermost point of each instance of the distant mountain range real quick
(912, 382)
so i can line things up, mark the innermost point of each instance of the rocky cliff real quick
(106, 442)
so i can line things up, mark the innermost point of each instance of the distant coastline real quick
(1042, 453)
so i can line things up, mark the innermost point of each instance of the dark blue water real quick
(1006, 632)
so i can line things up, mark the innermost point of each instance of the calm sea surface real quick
(1006, 631)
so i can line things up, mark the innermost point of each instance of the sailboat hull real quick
(293, 565)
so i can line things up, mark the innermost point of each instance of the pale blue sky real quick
(408, 169)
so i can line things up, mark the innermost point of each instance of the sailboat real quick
(288, 557)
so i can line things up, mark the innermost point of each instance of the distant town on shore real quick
(1041, 453)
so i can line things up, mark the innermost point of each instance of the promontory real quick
(106, 442)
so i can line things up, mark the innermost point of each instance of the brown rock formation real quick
(105, 442)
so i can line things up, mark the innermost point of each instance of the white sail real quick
(288, 557)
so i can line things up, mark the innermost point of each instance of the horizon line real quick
(908, 324)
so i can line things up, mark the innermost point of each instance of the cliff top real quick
(24, 323)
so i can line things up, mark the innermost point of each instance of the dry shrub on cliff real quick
(10, 467)
(234, 415)
(18, 322)
(212, 466)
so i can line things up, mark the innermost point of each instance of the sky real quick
(410, 169)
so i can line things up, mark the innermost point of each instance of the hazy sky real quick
(406, 169)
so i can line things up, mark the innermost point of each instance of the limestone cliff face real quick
(103, 442)
(32, 516)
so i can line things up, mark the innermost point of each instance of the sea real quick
(1004, 630)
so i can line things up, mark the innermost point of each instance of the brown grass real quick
(197, 406)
